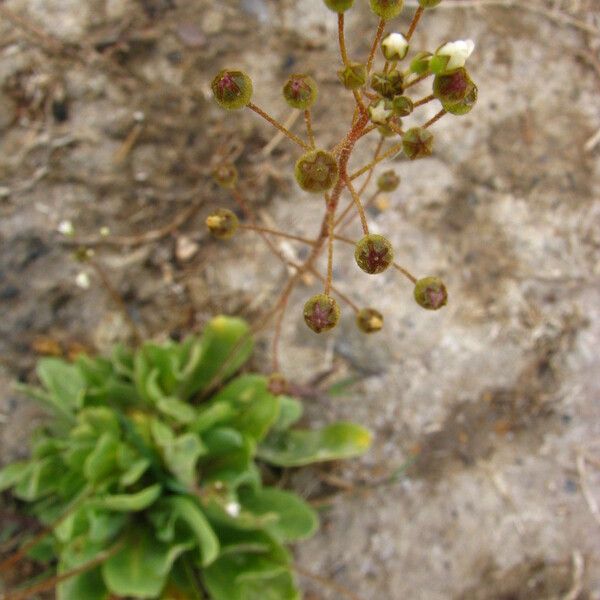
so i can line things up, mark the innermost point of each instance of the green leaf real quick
(225, 346)
(257, 409)
(214, 414)
(189, 512)
(165, 359)
(64, 382)
(282, 587)
(229, 458)
(88, 585)
(235, 576)
(13, 473)
(300, 447)
(290, 411)
(134, 471)
(128, 502)
(102, 461)
(104, 526)
(41, 478)
(176, 409)
(141, 567)
(294, 519)
(342, 386)
(180, 453)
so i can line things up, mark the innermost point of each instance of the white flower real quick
(233, 509)
(379, 113)
(458, 52)
(66, 228)
(83, 280)
(394, 46)
(104, 231)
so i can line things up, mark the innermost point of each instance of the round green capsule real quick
(226, 175)
(388, 181)
(387, 9)
(232, 89)
(374, 254)
(316, 171)
(417, 143)
(431, 293)
(321, 313)
(339, 6)
(222, 223)
(353, 76)
(300, 91)
(369, 320)
(429, 3)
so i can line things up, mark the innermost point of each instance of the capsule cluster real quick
(385, 96)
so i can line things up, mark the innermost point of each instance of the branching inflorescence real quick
(382, 100)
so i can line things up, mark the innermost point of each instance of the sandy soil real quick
(487, 412)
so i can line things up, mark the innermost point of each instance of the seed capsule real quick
(451, 88)
(226, 175)
(339, 6)
(417, 143)
(374, 254)
(402, 106)
(369, 320)
(321, 313)
(431, 293)
(222, 223)
(388, 181)
(429, 3)
(387, 9)
(353, 76)
(316, 171)
(386, 129)
(300, 91)
(465, 105)
(388, 84)
(232, 89)
(277, 384)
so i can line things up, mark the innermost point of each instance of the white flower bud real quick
(394, 47)
(233, 509)
(380, 112)
(66, 228)
(83, 280)
(457, 53)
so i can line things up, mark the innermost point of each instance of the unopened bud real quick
(394, 47)
(226, 175)
(380, 111)
(452, 55)
(222, 223)
(369, 320)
